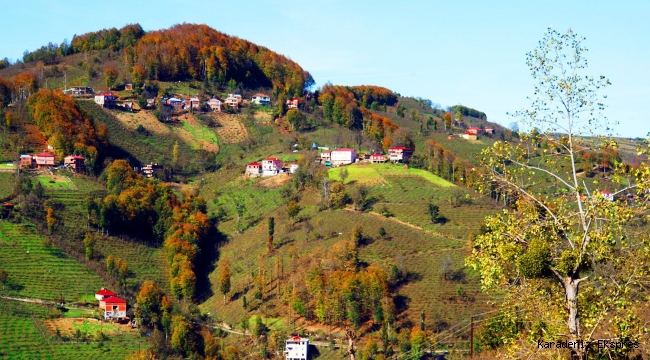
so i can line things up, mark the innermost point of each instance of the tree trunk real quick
(351, 337)
(571, 291)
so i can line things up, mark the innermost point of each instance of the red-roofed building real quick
(254, 169)
(377, 158)
(103, 293)
(271, 166)
(607, 195)
(26, 161)
(44, 160)
(293, 103)
(400, 154)
(113, 307)
(75, 163)
(469, 136)
(473, 130)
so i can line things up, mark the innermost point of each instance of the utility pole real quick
(471, 337)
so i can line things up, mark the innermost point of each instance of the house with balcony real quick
(296, 348)
(254, 169)
(400, 154)
(261, 99)
(271, 166)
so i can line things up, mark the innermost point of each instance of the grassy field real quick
(7, 181)
(55, 182)
(374, 174)
(23, 335)
(197, 135)
(412, 243)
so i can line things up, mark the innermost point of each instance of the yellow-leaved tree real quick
(569, 254)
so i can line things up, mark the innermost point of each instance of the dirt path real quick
(392, 218)
(38, 301)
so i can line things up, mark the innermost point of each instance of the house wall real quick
(343, 157)
(298, 350)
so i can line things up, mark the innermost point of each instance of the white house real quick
(271, 167)
(254, 169)
(343, 156)
(233, 100)
(214, 104)
(296, 348)
(326, 155)
(293, 167)
(261, 99)
(104, 100)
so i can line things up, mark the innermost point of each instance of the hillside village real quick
(239, 212)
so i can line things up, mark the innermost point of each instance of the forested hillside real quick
(224, 261)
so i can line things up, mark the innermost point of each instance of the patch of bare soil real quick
(274, 181)
(231, 129)
(145, 118)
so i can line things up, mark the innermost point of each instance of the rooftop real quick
(105, 292)
(114, 300)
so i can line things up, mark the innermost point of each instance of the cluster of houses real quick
(231, 101)
(45, 160)
(269, 167)
(112, 306)
(472, 133)
(345, 156)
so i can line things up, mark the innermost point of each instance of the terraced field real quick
(145, 262)
(42, 272)
(24, 336)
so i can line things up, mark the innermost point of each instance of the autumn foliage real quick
(147, 208)
(348, 106)
(66, 128)
(200, 52)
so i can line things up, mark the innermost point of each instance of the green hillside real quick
(177, 228)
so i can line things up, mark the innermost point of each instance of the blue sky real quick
(467, 52)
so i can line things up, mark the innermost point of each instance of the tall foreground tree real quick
(572, 263)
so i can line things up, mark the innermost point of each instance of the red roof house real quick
(113, 307)
(473, 130)
(44, 160)
(293, 103)
(254, 169)
(103, 293)
(271, 166)
(377, 158)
